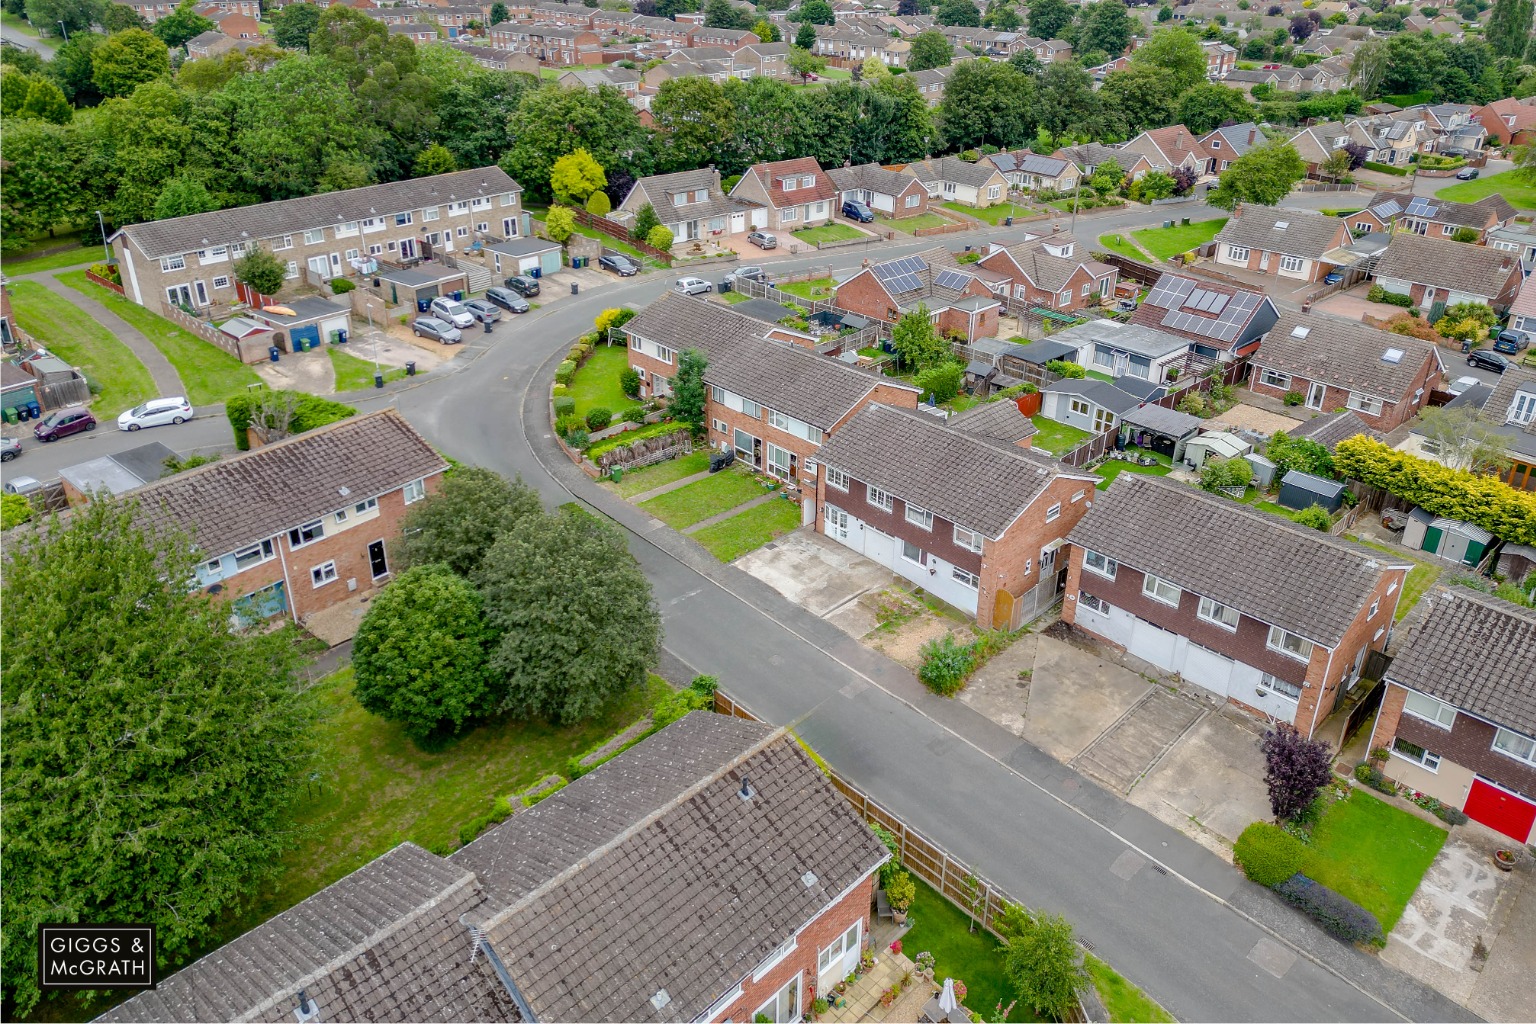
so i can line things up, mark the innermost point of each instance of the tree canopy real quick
(458, 524)
(1264, 175)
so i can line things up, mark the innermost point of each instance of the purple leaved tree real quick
(1296, 768)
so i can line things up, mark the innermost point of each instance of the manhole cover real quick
(771, 545)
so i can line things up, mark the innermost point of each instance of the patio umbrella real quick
(947, 1001)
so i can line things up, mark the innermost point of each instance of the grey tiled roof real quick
(1266, 566)
(1496, 409)
(999, 420)
(1345, 353)
(1050, 272)
(872, 177)
(237, 501)
(1475, 652)
(970, 480)
(1100, 393)
(1419, 259)
(1329, 430)
(269, 220)
(1307, 235)
(949, 168)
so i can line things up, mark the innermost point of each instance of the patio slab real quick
(1250, 417)
(1075, 693)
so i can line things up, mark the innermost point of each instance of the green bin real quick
(11, 417)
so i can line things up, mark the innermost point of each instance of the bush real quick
(635, 415)
(578, 438)
(598, 204)
(564, 406)
(108, 271)
(1062, 368)
(610, 318)
(1314, 516)
(533, 798)
(1450, 815)
(598, 418)
(946, 665)
(309, 412)
(1339, 916)
(1267, 854)
(1218, 473)
(500, 811)
(1294, 398)
(1193, 404)
(564, 372)
(1379, 294)
(942, 381)
(15, 509)
(560, 391)
(575, 355)
(900, 890)
(1371, 776)
(1401, 172)
(659, 237)
(629, 382)
(567, 423)
(340, 286)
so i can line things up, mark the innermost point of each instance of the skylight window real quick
(1392, 355)
(1300, 331)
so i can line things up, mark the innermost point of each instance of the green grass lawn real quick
(1057, 438)
(711, 496)
(613, 243)
(820, 288)
(1420, 578)
(839, 74)
(750, 530)
(81, 255)
(354, 374)
(943, 929)
(911, 224)
(1109, 470)
(1126, 1003)
(993, 215)
(1508, 184)
(1096, 375)
(71, 334)
(18, 23)
(1372, 853)
(827, 233)
(652, 477)
(210, 374)
(596, 384)
(1123, 245)
(732, 298)
(1163, 243)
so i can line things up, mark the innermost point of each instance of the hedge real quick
(1379, 294)
(1339, 915)
(1268, 854)
(1401, 172)
(310, 411)
(1484, 501)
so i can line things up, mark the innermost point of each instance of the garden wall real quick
(247, 350)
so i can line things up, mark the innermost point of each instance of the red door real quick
(1500, 809)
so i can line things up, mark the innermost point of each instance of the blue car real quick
(1333, 278)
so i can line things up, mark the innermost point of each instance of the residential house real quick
(761, 60)
(1222, 322)
(662, 30)
(930, 83)
(456, 22)
(153, 10)
(1316, 143)
(626, 80)
(1517, 238)
(1086, 403)
(212, 43)
(1334, 363)
(1220, 59)
(553, 45)
(188, 261)
(952, 180)
(781, 877)
(976, 521)
(1455, 126)
(114, 474)
(1244, 81)
(1382, 214)
(1457, 715)
(1168, 149)
(1438, 271)
(731, 39)
(1441, 218)
(418, 32)
(499, 60)
(1510, 411)
(235, 23)
(1274, 617)
(848, 46)
(1512, 122)
(1225, 144)
(1297, 244)
(958, 299)
(1029, 171)
(1054, 271)
(889, 193)
(1328, 76)
(796, 193)
(1126, 350)
(1090, 156)
(691, 205)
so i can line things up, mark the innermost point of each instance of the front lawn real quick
(354, 374)
(911, 224)
(1056, 438)
(1126, 1003)
(1372, 853)
(1164, 243)
(1420, 578)
(820, 288)
(1508, 184)
(708, 497)
(651, 477)
(117, 377)
(734, 537)
(609, 242)
(209, 373)
(827, 233)
(75, 257)
(976, 958)
(734, 297)
(596, 384)
(993, 215)
(1124, 246)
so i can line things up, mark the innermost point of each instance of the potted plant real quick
(900, 890)
(924, 964)
(1505, 859)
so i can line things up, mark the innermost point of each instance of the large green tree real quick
(918, 345)
(457, 525)
(150, 752)
(929, 50)
(553, 121)
(260, 270)
(294, 24)
(1065, 101)
(693, 122)
(987, 103)
(116, 17)
(1509, 27)
(45, 178)
(689, 398)
(183, 196)
(1105, 25)
(1177, 52)
(1209, 106)
(1142, 95)
(957, 12)
(77, 15)
(45, 102)
(71, 68)
(1048, 19)
(181, 24)
(127, 60)
(1045, 964)
(1263, 175)
(815, 12)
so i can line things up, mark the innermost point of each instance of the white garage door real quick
(1208, 669)
(879, 546)
(1154, 644)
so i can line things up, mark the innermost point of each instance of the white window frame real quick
(906, 557)
(1364, 403)
(1238, 253)
(263, 552)
(306, 534)
(1425, 758)
(965, 578)
(968, 539)
(346, 228)
(322, 574)
(839, 948)
(1281, 687)
(994, 191)
(170, 263)
(1080, 407)
(1155, 587)
(1426, 708)
(837, 478)
(293, 269)
(1105, 566)
(882, 500)
(912, 201)
(403, 219)
(1275, 379)
(286, 242)
(779, 420)
(1096, 604)
(1293, 264)
(221, 281)
(414, 491)
(1053, 513)
(1217, 614)
(314, 236)
(1505, 739)
(773, 1003)
(1278, 639)
(362, 508)
(919, 516)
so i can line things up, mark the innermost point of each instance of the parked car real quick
(453, 311)
(1461, 384)
(858, 211)
(432, 327)
(692, 286)
(1488, 360)
(1333, 278)
(507, 299)
(1466, 174)
(524, 285)
(156, 412)
(763, 240)
(484, 312)
(23, 485)
(746, 274)
(1512, 342)
(10, 447)
(62, 423)
(621, 265)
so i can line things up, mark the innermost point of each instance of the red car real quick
(63, 423)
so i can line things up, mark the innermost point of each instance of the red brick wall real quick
(650, 365)
(867, 297)
(1003, 560)
(883, 394)
(1321, 694)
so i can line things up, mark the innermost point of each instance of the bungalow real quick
(1288, 243)
(1028, 171)
(957, 298)
(974, 520)
(1053, 271)
(1457, 713)
(1090, 156)
(1125, 350)
(1331, 428)
(1222, 322)
(950, 179)
(1441, 218)
(891, 193)
(234, 23)
(1315, 144)
(1334, 363)
(1510, 121)
(1517, 238)
(691, 205)
(794, 193)
(1168, 149)
(626, 80)
(1274, 617)
(1086, 403)
(1439, 272)
(1382, 214)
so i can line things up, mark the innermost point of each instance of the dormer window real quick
(679, 198)
(790, 184)
(807, 181)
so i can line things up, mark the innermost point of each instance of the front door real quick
(509, 227)
(377, 562)
(1315, 395)
(180, 295)
(408, 248)
(836, 520)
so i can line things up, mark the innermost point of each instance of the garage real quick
(1208, 669)
(524, 256)
(1502, 810)
(306, 322)
(1154, 644)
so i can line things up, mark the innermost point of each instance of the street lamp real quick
(66, 30)
(105, 248)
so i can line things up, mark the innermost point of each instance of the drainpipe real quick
(293, 613)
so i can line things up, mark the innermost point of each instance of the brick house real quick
(1227, 143)
(796, 193)
(952, 180)
(236, 24)
(957, 298)
(553, 45)
(498, 60)
(1457, 714)
(1222, 322)
(1511, 121)
(1440, 218)
(417, 32)
(780, 874)
(1435, 271)
(188, 261)
(1274, 617)
(971, 518)
(1334, 363)
(1168, 149)
(1027, 171)
(691, 205)
(731, 39)
(153, 10)
(1090, 156)
(1296, 244)
(1382, 214)
(297, 526)
(1054, 271)
(891, 193)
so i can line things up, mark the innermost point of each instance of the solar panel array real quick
(1418, 206)
(951, 278)
(1224, 327)
(1170, 292)
(1206, 301)
(900, 275)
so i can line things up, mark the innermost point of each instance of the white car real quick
(454, 312)
(156, 412)
(1461, 384)
(692, 286)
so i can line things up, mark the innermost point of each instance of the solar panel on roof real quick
(951, 278)
(1170, 292)
(1418, 206)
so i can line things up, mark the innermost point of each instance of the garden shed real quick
(1165, 431)
(1219, 443)
(1300, 490)
(1447, 538)
(1263, 470)
(313, 320)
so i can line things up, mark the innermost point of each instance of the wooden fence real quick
(1141, 273)
(619, 233)
(1090, 449)
(247, 350)
(109, 285)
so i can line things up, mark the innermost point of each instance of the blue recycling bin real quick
(274, 354)
(341, 337)
(422, 305)
(536, 272)
(35, 410)
(458, 296)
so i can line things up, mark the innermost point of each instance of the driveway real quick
(821, 576)
(1353, 305)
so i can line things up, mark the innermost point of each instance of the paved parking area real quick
(1212, 784)
(1133, 746)
(818, 574)
(1352, 304)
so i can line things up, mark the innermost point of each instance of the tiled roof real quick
(872, 177)
(1475, 652)
(237, 501)
(1442, 263)
(1332, 428)
(1304, 234)
(1099, 392)
(1049, 272)
(1175, 142)
(328, 209)
(981, 484)
(652, 873)
(770, 174)
(1467, 215)
(1266, 566)
(1513, 381)
(948, 168)
(1345, 353)
(999, 420)
(1092, 154)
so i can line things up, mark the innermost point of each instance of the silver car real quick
(453, 311)
(432, 327)
(763, 240)
(9, 448)
(693, 286)
(483, 311)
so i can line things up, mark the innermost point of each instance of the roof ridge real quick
(1490, 601)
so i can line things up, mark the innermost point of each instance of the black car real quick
(1488, 360)
(621, 265)
(1466, 174)
(524, 285)
(507, 299)
(858, 211)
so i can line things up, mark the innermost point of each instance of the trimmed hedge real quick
(500, 811)
(310, 412)
(1267, 854)
(1379, 294)
(1401, 172)
(564, 372)
(1339, 916)
(598, 418)
(564, 405)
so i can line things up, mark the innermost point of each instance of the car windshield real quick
(139, 410)
(454, 308)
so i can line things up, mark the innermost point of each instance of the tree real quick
(419, 655)
(1142, 94)
(917, 344)
(71, 68)
(957, 12)
(987, 103)
(127, 60)
(294, 24)
(435, 159)
(1295, 769)
(1106, 25)
(1184, 180)
(1467, 320)
(693, 120)
(1208, 106)
(1463, 440)
(598, 204)
(1337, 164)
(816, 12)
(1509, 27)
(645, 221)
(1218, 473)
(659, 237)
(574, 612)
(766, 31)
(552, 122)
(804, 63)
(1300, 453)
(15, 509)
(151, 753)
(183, 196)
(576, 176)
(805, 36)
(45, 102)
(1177, 52)
(499, 13)
(1049, 18)
(116, 17)
(1025, 62)
(688, 394)
(181, 24)
(1107, 177)
(458, 524)
(941, 381)
(929, 50)
(1264, 175)
(1002, 17)
(1066, 101)
(1302, 28)
(559, 223)
(724, 14)
(261, 270)
(1044, 963)
(874, 69)
(1369, 67)
(1164, 14)
(45, 180)
(77, 15)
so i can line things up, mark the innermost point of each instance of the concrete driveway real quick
(821, 576)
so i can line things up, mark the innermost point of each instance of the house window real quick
(837, 478)
(717, 395)
(1080, 407)
(967, 579)
(169, 263)
(364, 507)
(322, 574)
(1222, 615)
(1360, 403)
(968, 539)
(841, 946)
(779, 420)
(1423, 706)
(949, 188)
(912, 201)
(253, 555)
(680, 199)
(1275, 379)
(1087, 289)
(790, 213)
(807, 181)
(402, 219)
(1237, 253)
(1375, 607)
(483, 226)
(1160, 590)
(314, 236)
(462, 233)
(286, 242)
(919, 516)
(430, 213)
(1215, 143)
(1292, 264)
(779, 461)
(911, 552)
(293, 269)
(1523, 409)
(1066, 295)
(1297, 647)
(1101, 564)
(415, 490)
(1053, 513)
(482, 203)
(221, 282)
(1415, 753)
(306, 534)
(1522, 748)
(784, 1006)
(1288, 690)
(1093, 603)
(878, 498)
(994, 191)
(341, 515)
(509, 199)
(375, 250)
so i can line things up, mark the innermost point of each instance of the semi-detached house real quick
(189, 261)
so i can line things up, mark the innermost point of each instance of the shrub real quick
(945, 665)
(598, 204)
(564, 372)
(1372, 777)
(659, 237)
(598, 418)
(1063, 368)
(567, 423)
(629, 382)
(1267, 854)
(1339, 916)
(900, 890)
(578, 438)
(1296, 768)
(533, 798)
(1193, 404)
(15, 509)
(500, 811)
(560, 391)
(1218, 473)
(1450, 815)
(635, 415)
(575, 355)
(1294, 398)
(1379, 294)
(309, 412)
(340, 286)
(942, 381)
(610, 318)
(1314, 516)
(108, 271)
(564, 406)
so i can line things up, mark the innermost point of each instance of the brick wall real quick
(1468, 742)
(1005, 560)
(1362, 634)
(866, 296)
(717, 414)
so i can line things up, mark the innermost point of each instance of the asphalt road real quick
(44, 47)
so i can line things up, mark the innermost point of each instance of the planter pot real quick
(1504, 859)
(899, 916)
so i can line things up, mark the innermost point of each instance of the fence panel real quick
(618, 233)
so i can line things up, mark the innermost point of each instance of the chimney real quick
(1253, 135)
